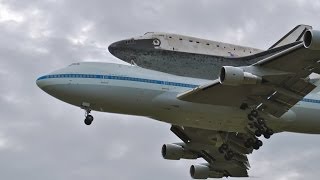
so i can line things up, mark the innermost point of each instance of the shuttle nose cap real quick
(113, 46)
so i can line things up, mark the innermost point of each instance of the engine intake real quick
(176, 152)
(199, 171)
(235, 76)
(204, 172)
(311, 39)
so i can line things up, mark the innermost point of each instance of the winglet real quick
(296, 34)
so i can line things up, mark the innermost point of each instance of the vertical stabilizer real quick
(296, 34)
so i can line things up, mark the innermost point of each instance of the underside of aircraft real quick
(221, 99)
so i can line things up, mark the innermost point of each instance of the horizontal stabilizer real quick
(296, 34)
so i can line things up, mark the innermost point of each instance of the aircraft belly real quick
(183, 113)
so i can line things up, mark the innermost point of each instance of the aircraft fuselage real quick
(128, 89)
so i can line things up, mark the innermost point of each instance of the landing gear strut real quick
(89, 118)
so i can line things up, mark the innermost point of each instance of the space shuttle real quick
(194, 57)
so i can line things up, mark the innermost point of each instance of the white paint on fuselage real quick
(158, 100)
(188, 44)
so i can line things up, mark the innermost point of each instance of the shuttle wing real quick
(285, 83)
(205, 144)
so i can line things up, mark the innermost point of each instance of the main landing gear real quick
(257, 127)
(89, 118)
(228, 153)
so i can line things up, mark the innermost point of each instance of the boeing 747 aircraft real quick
(220, 106)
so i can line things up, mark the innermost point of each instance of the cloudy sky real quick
(43, 138)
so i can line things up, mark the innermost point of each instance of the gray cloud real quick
(43, 138)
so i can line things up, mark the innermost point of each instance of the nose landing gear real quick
(89, 118)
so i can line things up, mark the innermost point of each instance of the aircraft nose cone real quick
(41, 82)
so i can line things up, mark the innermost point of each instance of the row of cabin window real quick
(117, 77)
(74, 76)
(312, 100)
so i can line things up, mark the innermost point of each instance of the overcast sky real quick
(44, 138)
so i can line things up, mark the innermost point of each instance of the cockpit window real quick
(130, 41)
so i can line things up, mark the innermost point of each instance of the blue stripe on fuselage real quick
(124, 78)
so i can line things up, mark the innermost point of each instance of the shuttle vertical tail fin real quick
(296, 34)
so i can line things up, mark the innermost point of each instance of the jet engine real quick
(235, 76)
(176, 152)
(311, 39)
(204, 172)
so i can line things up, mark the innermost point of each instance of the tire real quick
(250, 117)
(270, 132)
(224, 146)
(90, 117)
(87, 122)
(258, 133)
(259, 143)
(254, 113)
(230, 154)
(261, 121)
(266, 135)
(256, 146)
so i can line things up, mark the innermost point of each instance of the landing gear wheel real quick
(259, 143)
(224, 147)
(258, 133)
(261, 121)
(88, 120)
(250, 117)
(266, 135)
(269, 131)
(254, 113)
(255, 146)
(230, 154)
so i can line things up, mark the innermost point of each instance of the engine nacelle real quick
(176, 152)
(204, 172)
(311, 39)
(235, 76)
(199, 171)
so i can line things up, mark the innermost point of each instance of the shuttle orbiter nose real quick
(116, 45)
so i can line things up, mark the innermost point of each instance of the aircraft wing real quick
(285, 82)
(205, 143)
